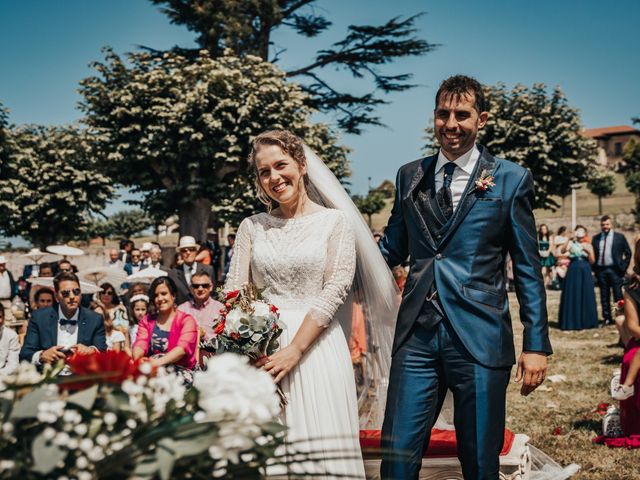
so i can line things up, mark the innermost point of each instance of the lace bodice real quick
(302, 263)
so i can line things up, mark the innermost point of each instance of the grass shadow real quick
(614, 359)
(588, 424)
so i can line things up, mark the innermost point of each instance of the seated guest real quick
(181, 275)
(203, 308)
(167, 335)
(8, 288)
(113, 306)
(155, 259)
(46, 271)
(43, 298)
(136, 262)
(9, 348)
(55, 332)
(114, 259)
(138, 308)
(626, 388)
(66, 266)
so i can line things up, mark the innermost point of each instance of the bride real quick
(305, 255)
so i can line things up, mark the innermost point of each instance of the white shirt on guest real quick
(5, 286)
(67, 334)
(9, 351)
(189, 271)
(465, 165)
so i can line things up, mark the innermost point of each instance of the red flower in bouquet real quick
(219, 328)
(105, 367)
(621, 304)
(231, 295)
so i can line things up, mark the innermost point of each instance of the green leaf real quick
(84, 398)
(46, 455)
(170, 450)
(27, 406)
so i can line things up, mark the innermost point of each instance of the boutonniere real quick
(484, 182)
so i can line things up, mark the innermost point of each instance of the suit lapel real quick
(53, 327)
(486, 163)
(83, 329)
(409, 198)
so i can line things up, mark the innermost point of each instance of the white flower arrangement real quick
(139, 419)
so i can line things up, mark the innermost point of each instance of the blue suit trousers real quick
(431, 361)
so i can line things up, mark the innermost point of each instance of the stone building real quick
(611, 142)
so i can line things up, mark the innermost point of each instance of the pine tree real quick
(246, 28)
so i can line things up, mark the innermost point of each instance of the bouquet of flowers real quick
(247, 324)
(114, 418)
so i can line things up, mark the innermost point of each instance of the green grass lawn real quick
(587, 358)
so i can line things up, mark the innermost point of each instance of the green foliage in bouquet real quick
(133, 421)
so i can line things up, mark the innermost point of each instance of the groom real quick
(456, 216)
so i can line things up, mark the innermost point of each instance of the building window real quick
(617, 149)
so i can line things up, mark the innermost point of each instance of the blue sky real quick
(586, 47)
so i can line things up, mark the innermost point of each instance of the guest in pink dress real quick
(166, 335)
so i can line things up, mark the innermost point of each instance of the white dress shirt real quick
(9, 351)
(5, 286)
(461, 175)
(67, 334)
(189, 271)
(608, 256)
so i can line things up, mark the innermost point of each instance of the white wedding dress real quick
(306, 266)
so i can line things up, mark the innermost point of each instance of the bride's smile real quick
(280, 176)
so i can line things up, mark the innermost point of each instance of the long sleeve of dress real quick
(240, 268)
(338, 276)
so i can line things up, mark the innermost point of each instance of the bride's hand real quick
(282, 362)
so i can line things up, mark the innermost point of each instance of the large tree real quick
(538, 129)
(50, 184)
(247, 27)
(177, 129)
(127, 223)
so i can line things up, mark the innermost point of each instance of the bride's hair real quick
(289, 143)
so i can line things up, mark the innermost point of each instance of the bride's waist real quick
(289, 303)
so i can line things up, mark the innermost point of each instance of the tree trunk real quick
(600, 205)
(194, 219)
(370, 221)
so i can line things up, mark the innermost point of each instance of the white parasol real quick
(146, 275)
(35, 255)
(98, 275)
(65, 250)
(86, 287)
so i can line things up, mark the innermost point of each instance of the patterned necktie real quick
(445, 200)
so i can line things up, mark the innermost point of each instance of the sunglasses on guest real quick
(67, 293)
(108, 292)
(189, 249)
(196, 286)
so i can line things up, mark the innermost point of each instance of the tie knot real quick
(449, 168)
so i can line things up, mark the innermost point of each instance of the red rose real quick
(234, 335)
(101, 367)
(274, 309)
(219, 328)
(228, 305)
(232, 294)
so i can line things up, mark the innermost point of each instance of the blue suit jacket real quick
(42, 332)
(468, 261)
(620, 251)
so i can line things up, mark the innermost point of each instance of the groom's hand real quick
(532, 370)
